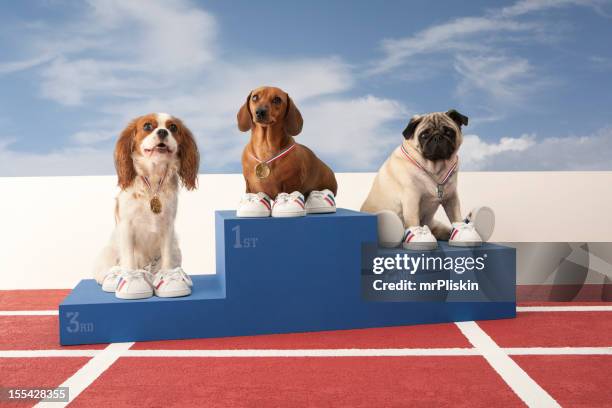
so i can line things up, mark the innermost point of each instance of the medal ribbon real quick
(148, 183)
(441, 183)
(278, 156)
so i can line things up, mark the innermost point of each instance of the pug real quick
(418, 177)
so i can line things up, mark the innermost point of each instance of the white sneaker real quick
(172, 283)
(254, 205)
(109, 284)
(483, 219)
(134, 285)
(289, 205)
(390, 229)
(464, 235)
(321, 202)
(419, 238)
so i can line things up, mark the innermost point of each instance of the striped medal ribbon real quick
(440, 184)
(155, 203)
(263, 170)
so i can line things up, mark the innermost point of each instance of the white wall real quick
(53, 227)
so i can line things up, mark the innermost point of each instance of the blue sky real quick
(534, 76)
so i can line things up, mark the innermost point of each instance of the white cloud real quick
(128, 58)
(16, 66)
(531, 6)
(353, 133)
(477, 153)
(589, 152)
(600, 63)
(454, 36)
(139, 46)
(475, 47)
(88, 137)
(508, 79)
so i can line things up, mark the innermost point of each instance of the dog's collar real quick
(440, 184)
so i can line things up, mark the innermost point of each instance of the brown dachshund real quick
(273, 119)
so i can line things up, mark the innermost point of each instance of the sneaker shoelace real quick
(250, 198)
(465, 226)
(282, 198)
(318, 194)
(424, 230)
(114, 272)
(137, 274)
(175, 274)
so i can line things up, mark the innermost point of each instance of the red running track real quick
(543, 357)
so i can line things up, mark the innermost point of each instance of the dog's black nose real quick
(261, 113)
(162, 133)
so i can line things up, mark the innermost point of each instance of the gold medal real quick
(156, 205)
(262, 170)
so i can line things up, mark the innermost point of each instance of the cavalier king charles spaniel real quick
(143, 258)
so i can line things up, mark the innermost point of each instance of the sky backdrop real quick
(534, 77)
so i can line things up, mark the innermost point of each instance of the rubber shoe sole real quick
(252, 214)
(133, 296)
(483, 219)
(109, 288)
(321, 210)
(289, 214)
(175, 293)
(390, 229)
(420, 246)
(464, 244)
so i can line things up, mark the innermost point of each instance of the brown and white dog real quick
(153, 154)
(418, 178)
(274, 120)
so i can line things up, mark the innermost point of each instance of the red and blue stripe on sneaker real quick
(265, 201)
(121, 284)
(330, 199)
(454, 232)
(300, 201)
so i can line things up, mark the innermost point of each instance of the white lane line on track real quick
(28, 312)
(305, 352)
(517, 379)
(598, 308)
(48, 353)
(239, 353)
(557, 351)
(87, 374)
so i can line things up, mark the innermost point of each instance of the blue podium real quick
(282, 275)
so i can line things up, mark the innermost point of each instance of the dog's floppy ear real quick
(245, 119)
(458, 118)
(293, 119)
(123, 156)
(414, 122)
(190, 157)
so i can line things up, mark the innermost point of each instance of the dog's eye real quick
(277, 100)
(255, 98)
(172, 128)
(148, 127)
(448, 131)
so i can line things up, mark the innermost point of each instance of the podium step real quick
(276, 275)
